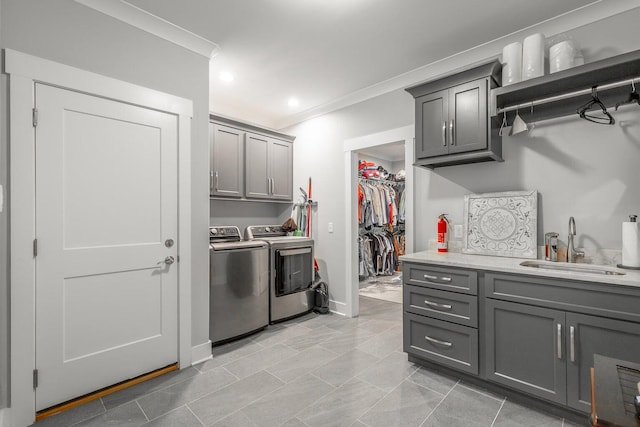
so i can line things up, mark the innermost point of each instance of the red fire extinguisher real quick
(443, 235)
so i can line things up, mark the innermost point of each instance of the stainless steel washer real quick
(238, 284)
(291, 271)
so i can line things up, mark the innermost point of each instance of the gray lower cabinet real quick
(542, 333)
(589, 335)
(525, 349)
(269, 165)
(535, 335)
(441, 315)
(548, 353)
(226, 151)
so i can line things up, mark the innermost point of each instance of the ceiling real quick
(323, 51)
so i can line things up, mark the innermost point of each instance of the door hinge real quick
(35, 378)
(35, 117)
(35, 247)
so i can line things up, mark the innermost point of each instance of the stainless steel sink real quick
(578, 268)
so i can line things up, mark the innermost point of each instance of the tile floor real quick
(312, 371)
(388, 288)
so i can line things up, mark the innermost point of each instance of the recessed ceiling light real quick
(293, 102)
(226, 77)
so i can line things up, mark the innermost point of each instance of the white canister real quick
(512, 63)
(533, 56)
(561, 56)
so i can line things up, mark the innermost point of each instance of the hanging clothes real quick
(377, 203)
(381, 215)
(377, 254)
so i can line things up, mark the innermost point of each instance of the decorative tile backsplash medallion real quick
(501, 224)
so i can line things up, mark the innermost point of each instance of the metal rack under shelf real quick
(561, 93)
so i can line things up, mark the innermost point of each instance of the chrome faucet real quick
(572, 253)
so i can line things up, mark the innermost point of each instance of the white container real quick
(512, 63)
(533, 56)
(562, 56)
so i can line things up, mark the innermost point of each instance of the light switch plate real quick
(330, 227)
(457, 231)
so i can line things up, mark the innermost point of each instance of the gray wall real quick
(66, 32)
(579, 168)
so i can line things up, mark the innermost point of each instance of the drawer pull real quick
(572, 342)
(443, 278)
(435, 341)
(559, 341)
(436, 305)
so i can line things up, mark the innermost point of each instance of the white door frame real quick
(24, 71)
(351, 147)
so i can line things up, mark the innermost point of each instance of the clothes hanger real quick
(586, 112)
(633, 98)
(503, 125)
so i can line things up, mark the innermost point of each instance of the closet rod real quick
(566, 96)
(381, 181)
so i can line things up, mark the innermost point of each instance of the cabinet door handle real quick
(452, 141)
(559, 341)
(270, 185)
(211, 181)
(439, 342)
(431, 277)
(572, 344)
(436, 305)
(444, 133)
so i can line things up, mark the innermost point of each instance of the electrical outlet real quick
(457, 231)
(330, 227)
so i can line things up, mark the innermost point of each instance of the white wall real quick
(580, 169)
(319, 153)
(4, 231)
(66, 32)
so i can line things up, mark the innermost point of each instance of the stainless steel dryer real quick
(291, 271)
(238, 284)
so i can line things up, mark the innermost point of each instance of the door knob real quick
(169, 260)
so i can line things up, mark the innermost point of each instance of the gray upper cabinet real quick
(281, 164)
(453, 124)
(250, 163)
(257, 161)
(269, 164)
(226, 160)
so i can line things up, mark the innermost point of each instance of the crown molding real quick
(139, 18)
(585, 15)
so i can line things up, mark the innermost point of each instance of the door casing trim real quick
(24, 71)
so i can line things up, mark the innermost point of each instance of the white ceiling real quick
(323, 51)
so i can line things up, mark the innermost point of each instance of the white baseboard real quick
(338, 307)
(4, 417)
(201, 353)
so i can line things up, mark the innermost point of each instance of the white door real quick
(106, 205)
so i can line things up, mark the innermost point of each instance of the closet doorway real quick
(384, 155)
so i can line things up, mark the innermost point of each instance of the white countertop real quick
(512, 265)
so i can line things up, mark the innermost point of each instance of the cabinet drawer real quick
(443, 305)
(445, 343)
(447, 279)
(606, 300)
